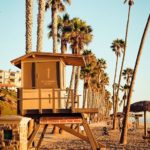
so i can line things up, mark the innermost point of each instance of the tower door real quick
(47, 75)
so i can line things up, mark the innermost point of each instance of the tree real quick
(63, 31)
(56, 6)
(80, 35)
(123, 138)
(86, 72)
(130, 3)
(117, 46)
(29, 22)
(127, 74)
(108, 104)
(41, 11)
(95, 81)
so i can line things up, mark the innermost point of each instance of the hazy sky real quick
(108, 20)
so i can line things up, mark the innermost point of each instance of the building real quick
(10, 79)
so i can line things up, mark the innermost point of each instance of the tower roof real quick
(68, 59)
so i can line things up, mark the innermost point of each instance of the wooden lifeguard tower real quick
(43, 95)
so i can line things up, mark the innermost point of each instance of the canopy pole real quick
(145, 125)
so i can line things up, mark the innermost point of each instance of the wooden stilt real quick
(31, 138)
(73, 132)
(89, 134)
(42, 136)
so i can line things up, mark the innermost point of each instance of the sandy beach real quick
(66, 141)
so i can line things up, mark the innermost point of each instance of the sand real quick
(66, 141)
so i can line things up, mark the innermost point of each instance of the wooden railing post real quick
(40, 102)
(72, 100)
(78, 101)
(53, 98)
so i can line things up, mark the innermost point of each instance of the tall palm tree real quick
(118, 47)
(63, 31)
(29, 22)
(130, 3)
(85, 73)
(125, 90)
(123, 138)
(81, 35)
(108, 103)
(56, 6)
(41, 12)
(95, 80)
(127, 74)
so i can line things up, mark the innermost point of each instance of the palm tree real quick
(85, 73)
(41, 11)
(108, 104)
(127, 74)
(130, 3)
(56, 6)
(81, 35)
(63, 31)
(117, 46)
(123, 138)
(125, 90)
(29, 22)
(95, 80)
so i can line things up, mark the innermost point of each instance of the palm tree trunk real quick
(123, 138)
(40, 25)
(88, 98)
(54, 26)
(29, 22)
(120, 75)
(63, 46)
(84, 95)
(76, 85)
(71, 84)
(83, 102)
(114, 97)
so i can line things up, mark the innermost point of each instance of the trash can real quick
(13, 132)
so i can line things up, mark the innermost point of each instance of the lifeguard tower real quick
(43, 95)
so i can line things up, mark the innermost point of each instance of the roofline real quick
(62, 56)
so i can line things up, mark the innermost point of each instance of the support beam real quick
(42, 136)
(31, 138)
(71, 131)
(89, 134)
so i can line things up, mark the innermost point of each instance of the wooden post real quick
(137, 121)
(42, 136)
(78, 102)
(53, 98)
(21, 101)
(72, 100)
(40, 102)
(31, 139)
(145, 125)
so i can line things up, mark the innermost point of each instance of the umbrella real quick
(141, 106)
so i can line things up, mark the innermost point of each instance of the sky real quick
(108, 21)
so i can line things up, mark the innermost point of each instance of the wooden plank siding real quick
(42, 99)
